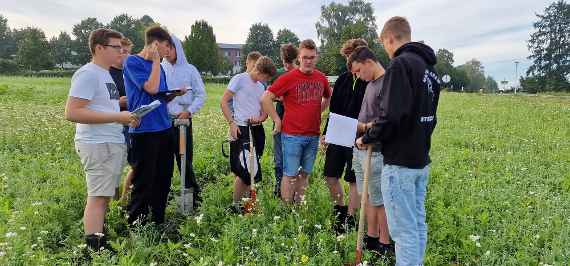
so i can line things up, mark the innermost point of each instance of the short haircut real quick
(126, 42)
(360, 55)
(349, 46)
(308, 44)
(156, 33)
(253, 56)
(398, 27)
(289, 53)
(264, 65)
(101, 36)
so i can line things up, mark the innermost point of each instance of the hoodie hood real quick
(420, 49)
(177, 74)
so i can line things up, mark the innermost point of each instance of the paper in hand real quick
(341, 130)
(145, 109)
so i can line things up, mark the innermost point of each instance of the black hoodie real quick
(408, 105)
(347, 96)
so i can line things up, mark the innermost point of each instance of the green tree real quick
(460, 80)
(61, 47)
(339, 22)
(476, 74)
(491, 85)
(34, 50)
(201, 48)
(550, 48)
(7, 44)
(131, 28)
(81, 31)
(286, 36)
(260, 38)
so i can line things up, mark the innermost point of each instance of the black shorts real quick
(242, 143)
(338, 159)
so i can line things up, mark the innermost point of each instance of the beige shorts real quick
(103, 165)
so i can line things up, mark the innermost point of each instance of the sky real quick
(494, 32)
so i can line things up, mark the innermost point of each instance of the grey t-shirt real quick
(247, 97)
(94, 83)
(370, 108)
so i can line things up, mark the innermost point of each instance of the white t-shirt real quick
(247, 97)
(94, 83)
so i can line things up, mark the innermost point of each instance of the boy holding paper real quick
(377, 238)
(407, 119)
(151, 155)
(346, 101)
(93, 104)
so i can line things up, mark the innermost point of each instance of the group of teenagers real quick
(395, 108)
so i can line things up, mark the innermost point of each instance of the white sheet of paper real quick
(341, 130)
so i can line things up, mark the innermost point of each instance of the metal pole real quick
(517, 75)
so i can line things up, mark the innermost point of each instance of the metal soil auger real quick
(250, 203)
(186, 202)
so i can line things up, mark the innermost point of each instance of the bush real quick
(8, 66)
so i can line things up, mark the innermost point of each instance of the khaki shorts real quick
(103, 165)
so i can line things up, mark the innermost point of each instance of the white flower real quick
(82, 245)
(199, 218)
(22, 228)
(99, 234)
(318, 226)
(3, 244)
(474, 238)
(192, 235)
(213, 239)
(488, 253)
(34, 245)
(275, 218)
(44, 232)
(36, 212)
(335, 252)
(220, 263)
(189, 245)
(153, 263)
(340, 238)
(2, 253)
(11, 234)
(37, 203)
(478, 244)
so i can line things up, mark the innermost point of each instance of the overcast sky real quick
(495, 32)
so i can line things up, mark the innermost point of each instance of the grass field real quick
(499, 191)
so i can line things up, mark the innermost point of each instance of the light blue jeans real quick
(404, 192)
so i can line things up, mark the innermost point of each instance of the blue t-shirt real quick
(136, 71)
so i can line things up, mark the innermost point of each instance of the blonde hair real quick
(397, 27)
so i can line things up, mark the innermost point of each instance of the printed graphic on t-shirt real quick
(309, 91)
(113, 91)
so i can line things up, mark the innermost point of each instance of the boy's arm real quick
(268, 107)
(76, 111)
(396, 103)
(153, 83)
(199, 92)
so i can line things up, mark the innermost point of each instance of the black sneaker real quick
(235, 209)
(373, 245)
(340, 215)
(98, 242)
(388, 249)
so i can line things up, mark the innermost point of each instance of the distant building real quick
(233, 53)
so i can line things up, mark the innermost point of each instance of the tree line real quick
(28, 49)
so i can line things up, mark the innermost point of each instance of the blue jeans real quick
(404, 193)
(278, 161)
(299, 152)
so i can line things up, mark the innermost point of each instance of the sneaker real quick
(340, 215)
(235, 209)
(373, 245)
(98, 242)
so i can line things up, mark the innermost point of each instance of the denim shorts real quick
(299, 153)
(374, 178)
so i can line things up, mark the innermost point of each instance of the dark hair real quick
(156, 33)
(349, 46)
(101, 36)
(360, 55)
(308, 44)
(289, 53)
(253, 56)
(398, 27)
(265, 66)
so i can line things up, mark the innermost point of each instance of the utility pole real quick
(516, 75)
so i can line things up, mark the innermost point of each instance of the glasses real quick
(116, 47)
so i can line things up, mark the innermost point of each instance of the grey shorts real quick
(103, 165)
(375, 177)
